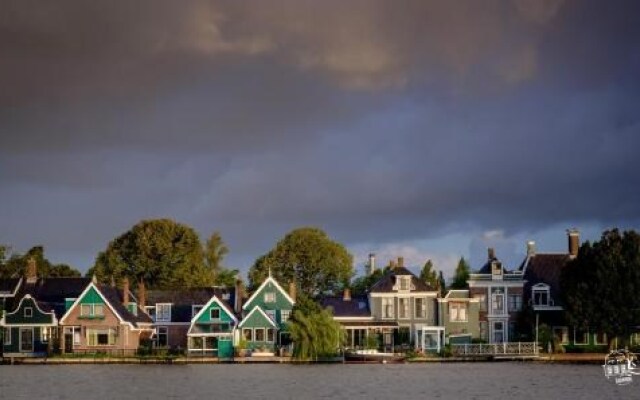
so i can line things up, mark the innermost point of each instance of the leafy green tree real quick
(600, 285)
(308, 255)
(461, 275)
(428, 274)
(226, 277)
(442, 284)
(361, 285)
(17, 263)
(214, 252)
(313, 330)
(161, 253)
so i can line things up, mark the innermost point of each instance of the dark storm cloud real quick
(380, 121)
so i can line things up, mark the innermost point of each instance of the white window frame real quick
(585, 337)
(250, 339)
(255, 335)
(30, 312)
(388, 303)
(110, 332)
(595, 339)
(7, 336)
(271, 335)
(404, 307)
(161, 312)
(494, 302)
(482, 299)
(165, 333)
(515, 302)
(564, 335)
(211, 310)
(404, 283)
(456, 308)
(541, 289)
(270, 297)
(284, 315)
(92, 310)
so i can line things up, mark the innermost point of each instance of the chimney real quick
(531, 248)
(347, 294)
(492, 253)
(125, 291)
(142, 294)
(292, 290)
(372, 263)
(392, 264)
(237, 306)
(574, 242)
(31, 273)
(400, 262)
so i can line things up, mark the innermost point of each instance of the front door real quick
(26, 340)
(498, 332)
(68, 342)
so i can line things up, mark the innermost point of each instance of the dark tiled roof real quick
(486, 268)
(545, 268)
(114, 297)
(50, 293)
(386, 283)
(8, 286)
(356, 307)
(182, 300)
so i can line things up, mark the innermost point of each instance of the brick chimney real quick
(31, 272)
(142, 294)
(491, 252)
(237, 306)
(125, 291)
(392, 264)
(400, 262)
(347, 294)
(531, 248)
(292, 290)
(574, 242)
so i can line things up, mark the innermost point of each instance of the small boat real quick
(373, 357)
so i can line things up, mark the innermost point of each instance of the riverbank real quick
(583, 358)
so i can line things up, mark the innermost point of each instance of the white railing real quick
(495, 349)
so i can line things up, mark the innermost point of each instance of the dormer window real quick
(540, 295)
(269, 297)
(28, 312)
(163, 312)
(405, 281)
(496, 270)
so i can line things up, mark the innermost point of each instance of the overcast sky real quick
(428, 129)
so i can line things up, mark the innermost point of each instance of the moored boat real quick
(373, 356)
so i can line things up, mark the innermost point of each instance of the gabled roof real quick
(221, 303)
(262, 286)
(258, 310)
(544, 268)
(357, 307)
(183, 300)
(386, 283)
(9, 287)
(40, 310)
(50, 293)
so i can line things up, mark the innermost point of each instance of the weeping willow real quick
(315, 335)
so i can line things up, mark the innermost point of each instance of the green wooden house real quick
(212, 329)
(265, 315)
(28, 329)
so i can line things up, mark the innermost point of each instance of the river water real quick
(505, 380)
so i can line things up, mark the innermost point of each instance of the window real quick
(271, 314)
(259, 335)
(214, 313)
(211, 343)
(403, 307)
(541, 296)
(269, 297)
(600, 338)
(7, 336)
(404, 282)
(74, 331)
(163, 312)
(482, 299)
(45, 333)
(28, 312)
(162, 336)
(91, 310)
(581, 336)
(101, 337)
(26, 339)
(271, 335)
(196, 309)
(420, 304)
(284, 315)
(387, 307)
(497, 302)
(515, 302)
(561, 334)
(457, 312)
(247, 333)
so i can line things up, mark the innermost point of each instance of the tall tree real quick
(461, 275)
(442, 284)
(162, 253)
(361, 285)
(428, 274)
(309, 256)
(214, 252)
(599, 285)
(313, 330)
(17, 263)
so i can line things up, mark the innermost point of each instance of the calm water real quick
(410, 381)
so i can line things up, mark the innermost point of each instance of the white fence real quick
(495, 349)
